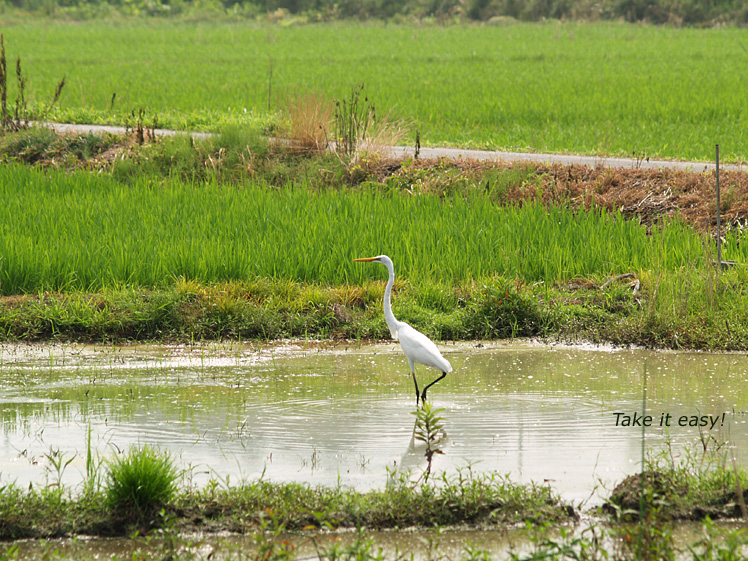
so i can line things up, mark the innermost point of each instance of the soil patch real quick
(643, 194)
(660, 491)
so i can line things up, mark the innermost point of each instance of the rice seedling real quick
(429, 430)
(140, 482)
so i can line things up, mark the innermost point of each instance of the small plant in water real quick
(429, 429)
(57, 465)
(141, 482)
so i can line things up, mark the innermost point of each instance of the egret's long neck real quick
(388, 315)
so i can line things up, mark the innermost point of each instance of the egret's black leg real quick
(416, 383)
(423, 395)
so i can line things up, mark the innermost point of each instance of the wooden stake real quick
(719, 232)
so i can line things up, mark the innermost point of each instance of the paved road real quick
(457, 153)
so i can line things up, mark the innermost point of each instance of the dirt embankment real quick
(648, 195)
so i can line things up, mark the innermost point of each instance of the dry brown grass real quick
(309, 115)
(648, 195)
(375, 147)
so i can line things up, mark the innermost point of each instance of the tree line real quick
(674, 12)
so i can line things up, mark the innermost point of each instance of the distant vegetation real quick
(677, 12)
(242, 236)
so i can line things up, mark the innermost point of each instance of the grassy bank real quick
(680, 310)
(122, 498)
(236, 238)
(256, 506)
(595, 88)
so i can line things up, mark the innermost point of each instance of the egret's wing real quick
(419, 348)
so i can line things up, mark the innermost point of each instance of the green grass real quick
(467, 498)
(698, 484)
(165, 252)
(707, 314)
(80, 231)
(140, 482)
(271, 511)
(603, 88)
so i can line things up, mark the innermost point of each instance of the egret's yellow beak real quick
(367, 259)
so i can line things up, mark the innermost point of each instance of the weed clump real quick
(141, 482)
(699, 485)
(44, 147)
(310, 117)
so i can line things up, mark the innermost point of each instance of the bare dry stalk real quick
(3, 85)
(58, 92)
(20, 113)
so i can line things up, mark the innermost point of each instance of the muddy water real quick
(342, 414)
(414, 545)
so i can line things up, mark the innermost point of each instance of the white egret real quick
(417, 347)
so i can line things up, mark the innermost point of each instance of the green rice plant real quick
(140, 482)
(85, 232)
(590, 90)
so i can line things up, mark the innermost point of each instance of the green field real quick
(606, 88)
(233, 237)
(86, 232)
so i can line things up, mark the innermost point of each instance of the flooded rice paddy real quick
(342, 414)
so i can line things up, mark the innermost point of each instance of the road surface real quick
(483, 155)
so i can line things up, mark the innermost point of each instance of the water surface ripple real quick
(342, 414)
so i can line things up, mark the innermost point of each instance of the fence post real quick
(719, 232)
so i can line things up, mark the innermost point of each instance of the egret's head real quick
(383, 259)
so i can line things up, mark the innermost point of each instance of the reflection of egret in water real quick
(417, 461)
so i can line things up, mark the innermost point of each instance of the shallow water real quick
(341, 414)
(416, 545)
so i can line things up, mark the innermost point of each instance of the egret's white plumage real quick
(417, 347)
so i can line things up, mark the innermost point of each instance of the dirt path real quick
(480, 155)
(645, 190)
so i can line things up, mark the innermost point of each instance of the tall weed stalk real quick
(20, 117)
(353, 118)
